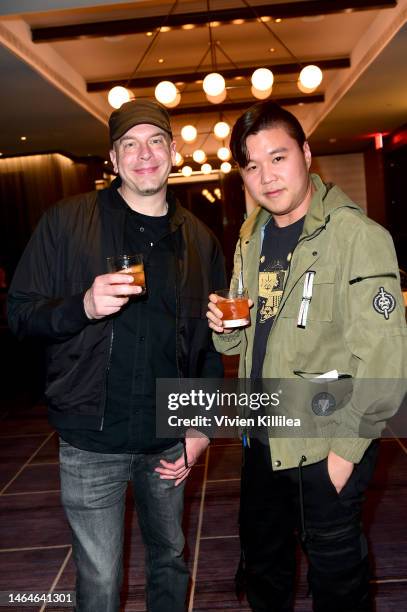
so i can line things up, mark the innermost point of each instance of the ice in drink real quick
(234, 306)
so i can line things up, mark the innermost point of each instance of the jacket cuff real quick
(351, 449)
(74, 312)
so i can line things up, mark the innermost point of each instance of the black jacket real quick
(67, 250)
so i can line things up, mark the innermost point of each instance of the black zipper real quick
(106, 376)
(361, 278)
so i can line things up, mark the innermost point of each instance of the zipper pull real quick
(306, 299)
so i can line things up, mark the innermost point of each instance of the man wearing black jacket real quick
(107, 344)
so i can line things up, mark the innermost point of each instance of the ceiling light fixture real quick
(189, 133)
(119, 95)
(199, 156)
(310, 77)
(262, 79)
(223, 153)
(260, 94)
(226, 167)
(221, 130)
(179, 160)
(186, 170)
(214, 84)
(166, 92)
(206, 168)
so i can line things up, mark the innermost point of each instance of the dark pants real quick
(270, 520)
(93, 487)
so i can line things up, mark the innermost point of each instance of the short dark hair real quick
(261, 116)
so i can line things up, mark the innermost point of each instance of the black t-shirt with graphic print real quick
(278, 245)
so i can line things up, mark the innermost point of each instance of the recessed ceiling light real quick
(188, 26)
(214, 24)
(312, 18)
(160, 60)
(23, 138)
(238, 21)
(238, 78)
(272, 49)
(165, 29)
(348, 10)
(113, 39)
(265, 18)
(149, 33)
(105, 162)
(179, 83)
(278, 20)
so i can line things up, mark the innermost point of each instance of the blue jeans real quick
(93, 490)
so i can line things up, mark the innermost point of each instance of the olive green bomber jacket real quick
(353, 258)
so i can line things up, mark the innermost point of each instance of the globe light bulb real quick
(206, 168)
(165, 92)
(306, 90)
(199, 156)
(189, 133)
(213, 84)
(262, 79)
(217, 99)
(221, 130)
(175, 102)
(186, 170)
(225, 167)
(223, 153)
(118, 95)
(260, 94)
(179, 160)
(311, 76)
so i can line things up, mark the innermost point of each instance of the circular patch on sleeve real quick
(384, 303)
(323, 404)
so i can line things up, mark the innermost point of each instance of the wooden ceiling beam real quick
(282, 10)
(243, 104)
(191, 77)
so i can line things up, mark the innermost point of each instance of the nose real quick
(268, 174)
(145, 151)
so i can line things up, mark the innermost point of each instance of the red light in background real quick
(378, 141)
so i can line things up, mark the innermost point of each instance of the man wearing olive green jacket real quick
(326, 296)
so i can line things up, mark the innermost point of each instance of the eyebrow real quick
(272, 152)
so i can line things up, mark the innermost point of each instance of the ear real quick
(307, 154)
(113, 159)
(173, 150)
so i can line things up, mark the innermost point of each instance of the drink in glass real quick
(234, 305)
(129, 264)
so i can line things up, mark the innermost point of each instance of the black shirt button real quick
(141, 338)
(141, 229)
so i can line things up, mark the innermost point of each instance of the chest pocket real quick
(322, 301)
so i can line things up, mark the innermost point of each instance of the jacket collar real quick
(109, 199)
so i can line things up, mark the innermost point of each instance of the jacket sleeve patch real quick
(384, 303)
